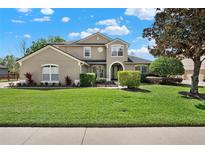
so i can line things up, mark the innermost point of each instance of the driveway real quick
(89, 136)
(188, 82)
(6, 84)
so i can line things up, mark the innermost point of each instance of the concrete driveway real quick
(188, 82)
(78, 136)
(6, 84)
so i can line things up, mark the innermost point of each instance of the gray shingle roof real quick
(137, 59)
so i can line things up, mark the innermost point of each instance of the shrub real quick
(68, 81)
(166, 67)
(18, 84)
(131, 79)
(59, 84)
(29, 79)
(87, 79)
(101, 81)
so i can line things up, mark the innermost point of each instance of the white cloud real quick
(144, 40)
(24, 10)
(84, 34)
(112, 27)
(143, 49)
(116, 30)
(27, 36)
(73, 34)
(65, 19)
(107, 22)
(17, 21)
(142, 52)
(43, 19)
(142, 13)
(47, 11)
(93, 30)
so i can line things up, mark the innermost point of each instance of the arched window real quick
(50, 73)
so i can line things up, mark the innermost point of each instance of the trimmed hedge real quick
(87, 79)
(131, 79)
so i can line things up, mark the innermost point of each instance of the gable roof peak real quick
(97, 33)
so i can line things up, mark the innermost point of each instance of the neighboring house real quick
(96, 53)
(3, 71)
(189, 67)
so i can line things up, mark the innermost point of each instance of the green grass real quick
(161, 106)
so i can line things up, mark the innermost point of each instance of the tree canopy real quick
(179, 33)
(36, 45)
(166, 67)
(10, 62)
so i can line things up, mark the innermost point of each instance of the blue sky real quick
(72, 24)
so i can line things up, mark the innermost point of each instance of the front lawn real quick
(157, 105)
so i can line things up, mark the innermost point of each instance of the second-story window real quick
(117, 50)
(87, 52)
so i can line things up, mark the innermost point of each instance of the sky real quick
(30, 24)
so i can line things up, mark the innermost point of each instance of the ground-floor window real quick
(142, 68)
(50, 73)
(99, 70)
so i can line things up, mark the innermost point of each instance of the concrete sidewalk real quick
(141, 135)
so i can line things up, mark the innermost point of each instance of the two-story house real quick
(96, 53)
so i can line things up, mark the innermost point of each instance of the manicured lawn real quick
(158, 106)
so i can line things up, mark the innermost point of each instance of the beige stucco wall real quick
(189, 67)
(78, 51)
(188, 73)
(130, 67)
(111, 60)
(67, 66)
(85, 69)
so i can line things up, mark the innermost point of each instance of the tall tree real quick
(10, 62)
(36, 45)
(1, 61)
(179, 33)
(22, 46)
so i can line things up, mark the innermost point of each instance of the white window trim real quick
(117, 45)
(141, 67)
(50, 81)
(84, 52)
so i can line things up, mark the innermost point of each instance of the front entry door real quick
(115, 69)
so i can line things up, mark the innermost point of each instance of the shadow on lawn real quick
(200, 106)
(188, 95)
(137, 90)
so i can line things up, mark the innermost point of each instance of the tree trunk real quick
(195, 76)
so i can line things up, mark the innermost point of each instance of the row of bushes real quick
(30, 82)
(43, 84)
